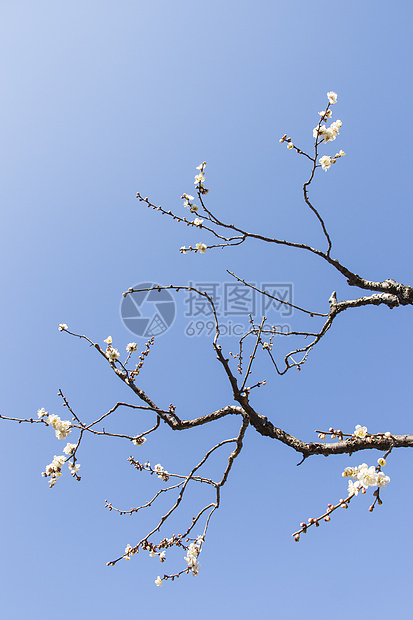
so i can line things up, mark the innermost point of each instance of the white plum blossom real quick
(61, 427)
(365, 477)
(197, 221)
(73, 468)
(382, 480)
(55, 465)
(108, 340)
(199, 178)
(182, 249)
(62, 327)
(328, 133)
(128, 552)
(353, 487)
(63, 430)
(327, 114)
(112, 354)
(187, 199)
(41, 413)
(332, 97)
(201, 247)
(132, 346)
(325, 162)
(54, 469)
(290, 145)
(158, 581)
(162, 474)
(360, 431)
(69, 449)
(187, 203)
(349, 472)
(192, 554)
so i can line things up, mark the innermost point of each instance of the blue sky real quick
(104, 99)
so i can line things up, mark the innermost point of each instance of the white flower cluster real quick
(128, 552)
(326, 160)
(54, 469)
(73, 468)
(69, 448)
(200, 178)
(62, 327)
(132, 346)
(327, 133)
(201, 247)
(111, 353)
(162, 474)
(192, 554)
(365, 477)
(188, 203)
(61, 427)
(326, 113)
(187, 198)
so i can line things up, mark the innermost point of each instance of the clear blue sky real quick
(103, 99)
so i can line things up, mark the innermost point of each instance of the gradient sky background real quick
(103, 99)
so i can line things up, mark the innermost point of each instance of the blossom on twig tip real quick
(201, 247)
(332, 97)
